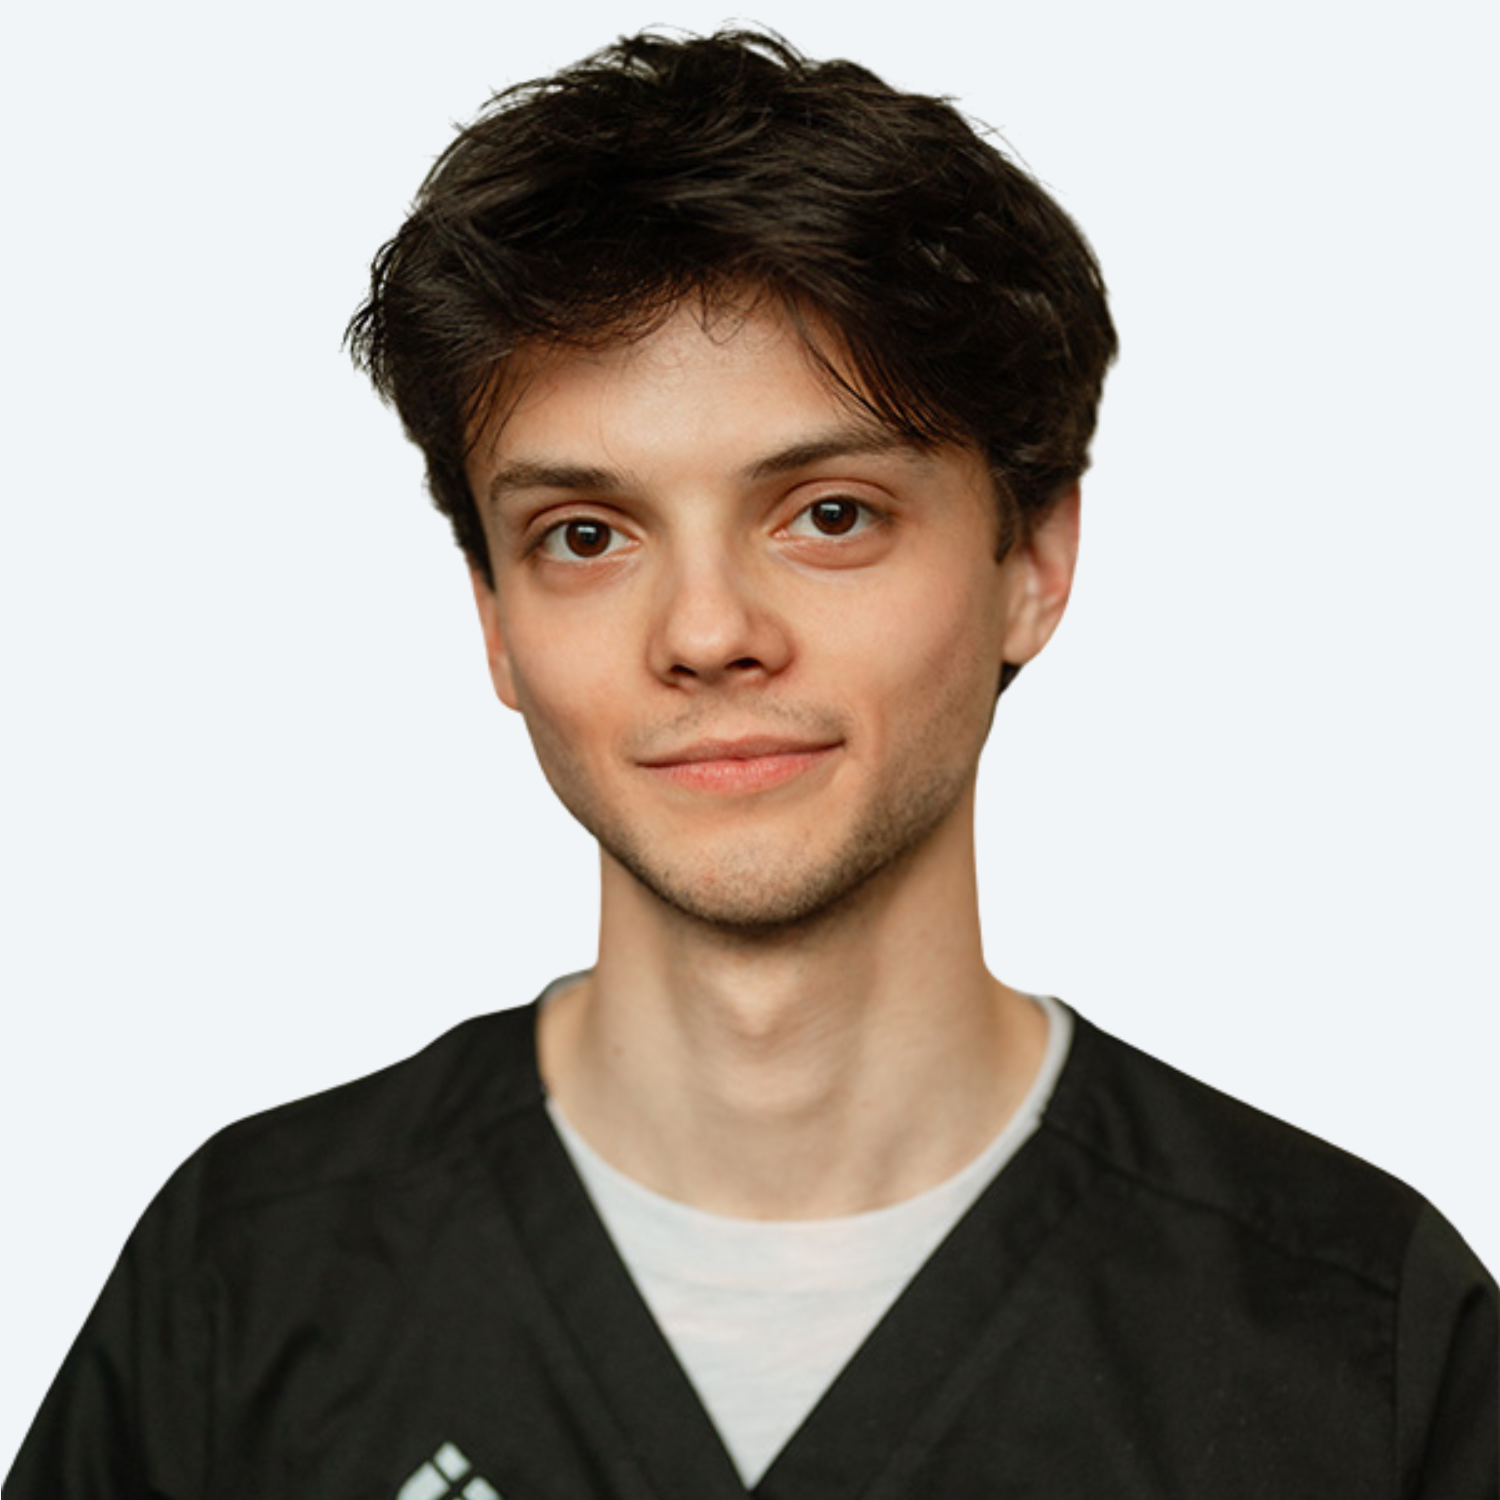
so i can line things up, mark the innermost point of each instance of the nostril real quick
(738, 665)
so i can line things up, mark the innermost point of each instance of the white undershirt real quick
(763, 1315)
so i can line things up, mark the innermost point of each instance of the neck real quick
(779, 1075)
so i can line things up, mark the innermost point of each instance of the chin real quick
(758, 891)
(750, 903)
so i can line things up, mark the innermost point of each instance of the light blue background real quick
(264, 827)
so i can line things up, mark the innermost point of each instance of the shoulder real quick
(1197, 1151)
(1351, 1304)
(405, 1119)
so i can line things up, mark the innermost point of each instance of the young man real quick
(758, 396)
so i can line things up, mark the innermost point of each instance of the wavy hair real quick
(579, 210)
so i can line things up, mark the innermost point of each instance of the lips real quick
(750, 763)
(747, 747)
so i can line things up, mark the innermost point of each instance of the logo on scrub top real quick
(447, 1475)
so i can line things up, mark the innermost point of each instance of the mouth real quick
(755, 763)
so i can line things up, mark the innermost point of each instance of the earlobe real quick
(494, 642)
(1042, 567)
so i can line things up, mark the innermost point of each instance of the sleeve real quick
(126, 1418)
(1448, 1369)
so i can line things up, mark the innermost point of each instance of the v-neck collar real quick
(902, 1387)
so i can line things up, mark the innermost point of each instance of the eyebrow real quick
(527, 474)
(518, 475)
(847, 442)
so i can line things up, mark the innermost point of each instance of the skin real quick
(756, 640)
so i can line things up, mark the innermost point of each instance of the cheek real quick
(930, 662)
(933, 636)
(564, 704)
(562, 689)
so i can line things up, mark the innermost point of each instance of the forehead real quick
(734, 386)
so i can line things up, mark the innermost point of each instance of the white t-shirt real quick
(763, 1315)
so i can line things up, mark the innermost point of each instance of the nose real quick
(715, 622)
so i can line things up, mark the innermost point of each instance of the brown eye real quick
(834, 517)
(580, 540)
(586, 538)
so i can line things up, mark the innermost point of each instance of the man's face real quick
(756, 638)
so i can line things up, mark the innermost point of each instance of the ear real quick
(1039, 571)
(494, 643)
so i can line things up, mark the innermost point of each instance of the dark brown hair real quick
(580, 209)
